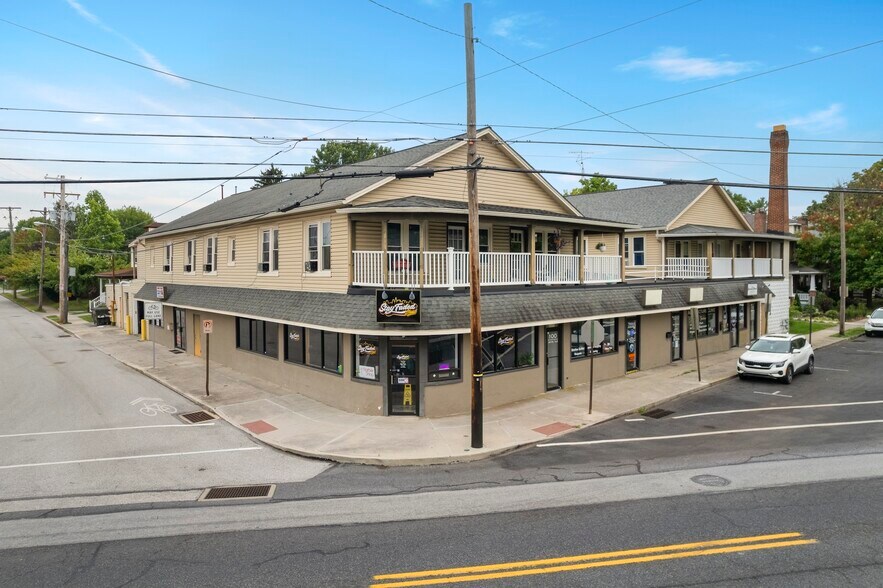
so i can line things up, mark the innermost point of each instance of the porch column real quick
(351, 243)
(578, 238)
(732, 258)
(532, 268)
(709, 252)
(753, 257)
(384, 261)
(622, 255)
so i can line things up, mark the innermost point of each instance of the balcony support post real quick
(578, 248)
(451, 268)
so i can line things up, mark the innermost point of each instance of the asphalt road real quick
(72, 425)
(828, 535)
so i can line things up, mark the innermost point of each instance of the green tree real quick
(97, 227)
(133, 221)
(744, 204)
(591, 186)
(271, 175)
(337, 153)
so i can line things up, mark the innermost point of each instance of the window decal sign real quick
(398, 306)
(367, 348)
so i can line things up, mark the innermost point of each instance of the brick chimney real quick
(760, 221)
(778, 199)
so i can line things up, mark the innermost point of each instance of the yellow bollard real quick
(144, 329)
(128, 325)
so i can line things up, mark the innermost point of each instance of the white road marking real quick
(142, 399)
(689, 416)
(102, 430)
(633, 420)
(126, 457)
(831, 369)
(866, 351)
(709, 433)
(776, 393)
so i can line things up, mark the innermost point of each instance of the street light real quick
(42, 232)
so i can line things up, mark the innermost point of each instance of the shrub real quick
(833, 314)
(824, 302)
(854, 311)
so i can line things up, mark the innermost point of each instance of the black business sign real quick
(398, 306)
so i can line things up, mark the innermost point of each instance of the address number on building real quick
(207, 327)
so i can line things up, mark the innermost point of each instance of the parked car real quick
(874, 324)
(778, 357)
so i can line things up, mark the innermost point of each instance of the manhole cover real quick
(710, 480)
(198, 416)
(238, 492)
(658, 413)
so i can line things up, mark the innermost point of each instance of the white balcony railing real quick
(504, 269)
(721, 267)
(602, 269)
(688, 268)
(445, 269)
(762, 267)
(777, 267)
(368, 268)
(557, 268)
(403, 269)
(742, 267)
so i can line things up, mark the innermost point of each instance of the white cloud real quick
(149, 59)
(673, 63)
(816, 49)
(827, 119)
(511, 27)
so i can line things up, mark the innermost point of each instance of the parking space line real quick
(107, 429)
(776, 393)
(125, 457)
(832, 405)
(709, 433)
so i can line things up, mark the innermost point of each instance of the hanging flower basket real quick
(601, 247)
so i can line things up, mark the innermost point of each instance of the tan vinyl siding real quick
(368, 235)
(652, 247)
(292, 253)
(611, 240)
(710, 210)
(437, 239)
(508, 189)
(500, 239)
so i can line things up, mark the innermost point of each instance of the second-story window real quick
(269, 260)
(638, 251)
(319, 246)
(190, 259)
(231, 251)
(211, 255)
(167, 260)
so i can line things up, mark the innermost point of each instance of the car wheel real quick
(789, 375)
(811, 365)
(741, 376)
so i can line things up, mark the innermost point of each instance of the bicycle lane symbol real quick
(153, 406)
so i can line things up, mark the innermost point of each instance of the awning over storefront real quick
(444, 312)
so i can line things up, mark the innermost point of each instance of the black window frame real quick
(453, 373)
(585, 343)
(497, 366)
(711, 325)
(287, 353)
(321, 364)
(258, 341)
(357, 343)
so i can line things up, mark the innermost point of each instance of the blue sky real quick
(354, 54)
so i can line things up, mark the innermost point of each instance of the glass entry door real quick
(631, 344)
(403, 394)
(553, 358)
(676, 352)
(734, 325)
(180, 327)
(752, 321)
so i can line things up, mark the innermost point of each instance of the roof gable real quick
(713, 207)
(649, 207)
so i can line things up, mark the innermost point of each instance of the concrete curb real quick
(470, 456)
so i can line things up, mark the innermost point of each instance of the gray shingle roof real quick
(447, 312)
(307, 191)
(650, 206)
(709, 231)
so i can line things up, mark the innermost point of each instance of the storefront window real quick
(294, 344)
(257, 336)
(507, 350)
(367, 362)
(324, 350)
(707, 323)
(444, 357)
(580, 338)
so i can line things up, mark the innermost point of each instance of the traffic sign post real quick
(597, 334)
(207, 326)
(153, 312)
(812, 311)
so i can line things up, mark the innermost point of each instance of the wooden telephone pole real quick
(474, 275)
(62, 248)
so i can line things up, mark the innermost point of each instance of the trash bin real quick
(101, 315)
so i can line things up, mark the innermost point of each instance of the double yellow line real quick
(590, 560)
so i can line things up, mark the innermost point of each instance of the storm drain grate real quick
(198, 417)
(175, 351)
(234, 492)
(658, 413)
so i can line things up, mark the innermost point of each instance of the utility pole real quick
(474, 277)
(9, 210)
(62, 249)
(45, 213)
(842, 267)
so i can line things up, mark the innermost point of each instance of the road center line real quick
(831, 369)
(107, 429)
(125, 457)
(866, 351)
(710, 433)
(698, 414)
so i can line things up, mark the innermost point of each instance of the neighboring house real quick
(354, 290)
(693, 231)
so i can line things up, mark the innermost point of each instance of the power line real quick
(651, 160)
(143, 162)
(176, 76)
(714, 86)
(237, 137)
(679, 148)
(406, 122)
(417, 20)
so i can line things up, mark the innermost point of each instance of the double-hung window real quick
(269, 254)
(168, 257)
(231, 251)
(638, 251)
(190, 258)
(211, 255)
(319, 246)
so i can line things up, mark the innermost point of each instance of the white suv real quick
(874, 324)
(777, 356)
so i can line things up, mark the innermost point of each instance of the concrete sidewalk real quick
(291, 422)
